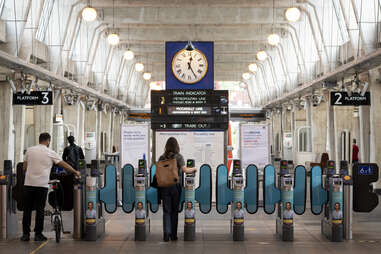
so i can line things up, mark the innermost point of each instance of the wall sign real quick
(34, 98)
(343, 99)
(189, 69)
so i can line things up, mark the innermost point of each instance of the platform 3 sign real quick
(343, 99)
(34, 98)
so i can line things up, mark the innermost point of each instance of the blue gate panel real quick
(271, 195)
(204, 191)
(251, 189)
(182, 194)
(318, 194)
(152, 195)
(128, 190)
(300, 182)
(108, 194)
(224, 195)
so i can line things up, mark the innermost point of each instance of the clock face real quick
(189, 66)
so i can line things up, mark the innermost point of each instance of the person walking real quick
(355, 152)
(73, 153)
(171, 195)
(38, 162)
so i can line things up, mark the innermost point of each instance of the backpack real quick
(167, 173)
(73, 156)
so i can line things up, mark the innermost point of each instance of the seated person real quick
(288, 214)
(140, 214)
(337, 214)
(90, 213)
(189, 212)
(238, 213)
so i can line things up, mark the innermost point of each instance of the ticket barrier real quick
(137, 194)
(289, 194)
(239, 196)
(79, 195)
(8, 216)
(203, 195)
(94, 226)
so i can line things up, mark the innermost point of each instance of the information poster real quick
(255, 148)
(135, 144)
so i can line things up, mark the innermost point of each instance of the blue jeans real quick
(171, 199)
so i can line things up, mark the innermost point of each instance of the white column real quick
(309, 123)
(330, 130)
(19, 124)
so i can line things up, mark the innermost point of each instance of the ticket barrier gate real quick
(79, 195)
(8, 216)
(94, 222)
(290, 195)
(238, 197)
(190, 194)
(137, 194)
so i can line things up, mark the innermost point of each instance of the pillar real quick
(309, 123)
(19, 125)
(331, 144)
(43, 121)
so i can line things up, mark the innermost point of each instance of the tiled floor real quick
(213, 236)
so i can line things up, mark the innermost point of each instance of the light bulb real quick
(261, 55)
(243, 85)
(293, 14)
(89, 14)
(139, 67)
(113, 39)
(273, 39)
(128, 55)
(253, 67)
(147, 75)
(246, 75)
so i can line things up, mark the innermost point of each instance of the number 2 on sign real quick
(45, 99)
(338, 100)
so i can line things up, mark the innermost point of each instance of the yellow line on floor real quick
(40, 247)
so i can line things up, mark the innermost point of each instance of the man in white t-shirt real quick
(38, 162)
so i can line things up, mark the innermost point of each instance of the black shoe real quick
(25, 238)
(40, 238)
(166, 237)
(174, 238)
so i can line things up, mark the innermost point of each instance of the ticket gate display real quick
(290, 195)
(239, 196)
(364, 199)
(8, 215)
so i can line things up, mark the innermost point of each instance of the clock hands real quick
(190, 67)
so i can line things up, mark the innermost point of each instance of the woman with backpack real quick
(171, 195)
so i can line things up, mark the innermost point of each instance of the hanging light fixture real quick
(253, 67)
(261, 55)
(89, 14)
(113, 39)
(147, 75)
(139, 67)
(246, 75)
(273, 39)
(128, 55)
(292, 14)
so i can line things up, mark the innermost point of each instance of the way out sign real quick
(34, 98)
(343, 99)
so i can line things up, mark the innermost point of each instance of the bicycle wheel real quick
(57, 228)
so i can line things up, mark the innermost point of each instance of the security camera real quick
(316, 100)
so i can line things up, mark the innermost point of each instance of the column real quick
(331, 145)
(43, 121)
(19, 125)
(309, 123)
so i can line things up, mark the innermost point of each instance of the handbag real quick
(167, 173)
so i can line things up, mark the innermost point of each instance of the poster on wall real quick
(255, 147)
(135, 144)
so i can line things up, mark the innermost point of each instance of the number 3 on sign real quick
(45, 98)
(338, 97)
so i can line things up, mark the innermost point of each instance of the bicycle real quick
(55, 201)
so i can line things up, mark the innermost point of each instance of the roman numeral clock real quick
(189, 65)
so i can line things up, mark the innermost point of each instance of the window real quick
(44, 19)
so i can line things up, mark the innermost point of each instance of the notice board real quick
(255, 147)
(135, 144)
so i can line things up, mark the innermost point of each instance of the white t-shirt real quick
(40, 160)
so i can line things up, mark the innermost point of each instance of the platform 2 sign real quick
(33, 98)
(343, 99)
(190, 109)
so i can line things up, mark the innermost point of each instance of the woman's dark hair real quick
(171, 147)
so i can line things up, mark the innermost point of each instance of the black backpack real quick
(73, 156)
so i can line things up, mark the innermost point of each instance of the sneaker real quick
(40, 238)
(25, 238)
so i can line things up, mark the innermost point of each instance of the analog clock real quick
(189, 66)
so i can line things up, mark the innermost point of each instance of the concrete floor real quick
(212, 237)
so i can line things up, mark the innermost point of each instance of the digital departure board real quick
(190, 109)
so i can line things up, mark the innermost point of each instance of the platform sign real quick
(190, 109)
(355, 99)
(33, 98)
